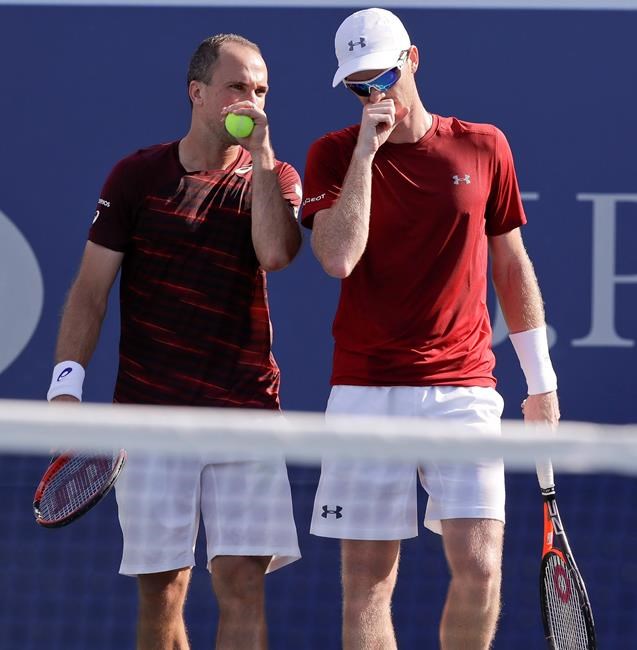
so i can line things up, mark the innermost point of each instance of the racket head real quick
(72, 485)
(566, 610)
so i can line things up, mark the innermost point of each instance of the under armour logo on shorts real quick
(332, 510)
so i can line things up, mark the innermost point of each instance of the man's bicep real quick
(515, 282)
(98, 270)
(325, 170)
(507, 247)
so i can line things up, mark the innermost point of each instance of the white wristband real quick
(532, 348)
(68, 377)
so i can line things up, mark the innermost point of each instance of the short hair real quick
(207, 54)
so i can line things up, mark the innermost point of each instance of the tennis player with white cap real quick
(406, 208)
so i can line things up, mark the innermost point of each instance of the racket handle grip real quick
(544, 469)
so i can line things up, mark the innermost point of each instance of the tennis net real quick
(60, 588)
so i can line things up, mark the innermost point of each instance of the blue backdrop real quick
(82, 87)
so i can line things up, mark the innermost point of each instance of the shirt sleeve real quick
(325, 170)
(113, 224)
(290, 183)
(505, 211)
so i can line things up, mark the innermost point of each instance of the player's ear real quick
(413, 58)
(194, 92)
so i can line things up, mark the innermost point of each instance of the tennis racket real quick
(72, 485)
(566, 610)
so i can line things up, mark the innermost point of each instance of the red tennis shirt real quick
(195, 325)
(414, 310)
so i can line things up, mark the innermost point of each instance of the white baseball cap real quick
(371, 39)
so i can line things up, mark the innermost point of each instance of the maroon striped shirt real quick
(195, 325)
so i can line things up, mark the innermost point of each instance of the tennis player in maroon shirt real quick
(194, 225)
(405, 208)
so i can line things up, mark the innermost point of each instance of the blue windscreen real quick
(82, 87)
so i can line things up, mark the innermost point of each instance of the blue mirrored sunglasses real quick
(381, 82)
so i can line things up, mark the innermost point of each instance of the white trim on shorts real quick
(372, 500)
(246, 508)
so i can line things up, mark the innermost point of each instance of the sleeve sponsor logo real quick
(314, 199)
(105, 203)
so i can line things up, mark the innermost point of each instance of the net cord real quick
(306, 438)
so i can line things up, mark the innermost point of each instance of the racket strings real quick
(77, 481)
(564, 608)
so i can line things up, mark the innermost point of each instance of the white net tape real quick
(39, 427)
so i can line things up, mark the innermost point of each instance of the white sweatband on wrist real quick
(68, 377)
(532, 348)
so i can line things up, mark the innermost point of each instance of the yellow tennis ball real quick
(239, 126)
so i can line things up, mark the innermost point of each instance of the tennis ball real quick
(239, 126)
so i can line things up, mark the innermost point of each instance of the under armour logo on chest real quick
(361, 42)
(466, 179)
(332, 510)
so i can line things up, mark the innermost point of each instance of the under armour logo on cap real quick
(332, 510)
(361, 42)
(371, 39)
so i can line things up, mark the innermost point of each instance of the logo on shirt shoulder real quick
(313, 199)
(243, 170)
(466, 179)
(105, 203)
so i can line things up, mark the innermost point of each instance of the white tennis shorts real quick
(246, 508)
(371, 500)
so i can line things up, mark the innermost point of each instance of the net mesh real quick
(61, 589)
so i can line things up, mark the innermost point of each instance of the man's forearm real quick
(519, 295)
(340, 236)
(276, 235)
(80, 328)
(521, 302)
